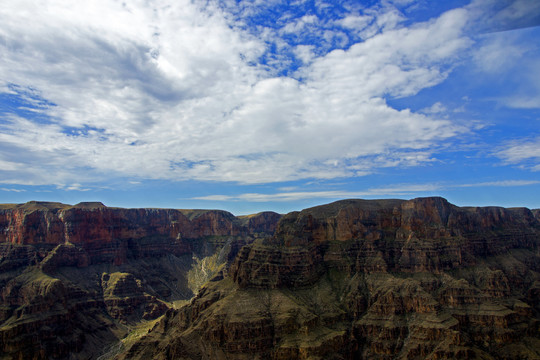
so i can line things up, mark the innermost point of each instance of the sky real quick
(274, 105)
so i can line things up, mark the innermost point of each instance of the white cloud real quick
(282, 197)
(73, 187)
(502, 183)
(12, 190)
(436, 108)
(393, 190)
(356, 22)
(509, 59)
(525, 101)
(498, 52)
(497, 15)
(524, 152)
(300, 24)
(332, 194)
(10, 165)
(305, 53)
(169, 90)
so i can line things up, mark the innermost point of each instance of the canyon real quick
(354, 279)
(76, 279)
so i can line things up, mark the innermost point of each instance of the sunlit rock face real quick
(114, 234)
(383, 279)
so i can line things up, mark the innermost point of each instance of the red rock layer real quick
(113, 234)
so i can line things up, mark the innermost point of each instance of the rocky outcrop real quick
(264, 222)
(382, 279)
(44, 317)
(124, 297)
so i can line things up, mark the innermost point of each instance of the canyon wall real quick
(378, 279)
(354, 279)
(76, 278)
(112, 234)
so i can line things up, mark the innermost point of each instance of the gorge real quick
(354, 279)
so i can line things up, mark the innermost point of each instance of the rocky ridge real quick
(380, 279)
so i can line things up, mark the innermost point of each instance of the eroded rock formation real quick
(383, 279)
(76, 278)
(355, 279)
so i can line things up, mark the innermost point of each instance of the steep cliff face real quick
(264, 222)
(383, 279)
(420, 235)
(76, 278)
(113, 234)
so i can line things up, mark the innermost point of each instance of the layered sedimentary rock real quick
(114, 234)
(420, 235)
(74, 279)
(382, 279)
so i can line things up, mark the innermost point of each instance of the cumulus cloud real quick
(176, 90)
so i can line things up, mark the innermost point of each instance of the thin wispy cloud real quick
(12, 190)
(396, 190)
(294, 196)
(502, 183)
(524, 153)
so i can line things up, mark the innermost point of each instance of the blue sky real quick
(269, 105)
